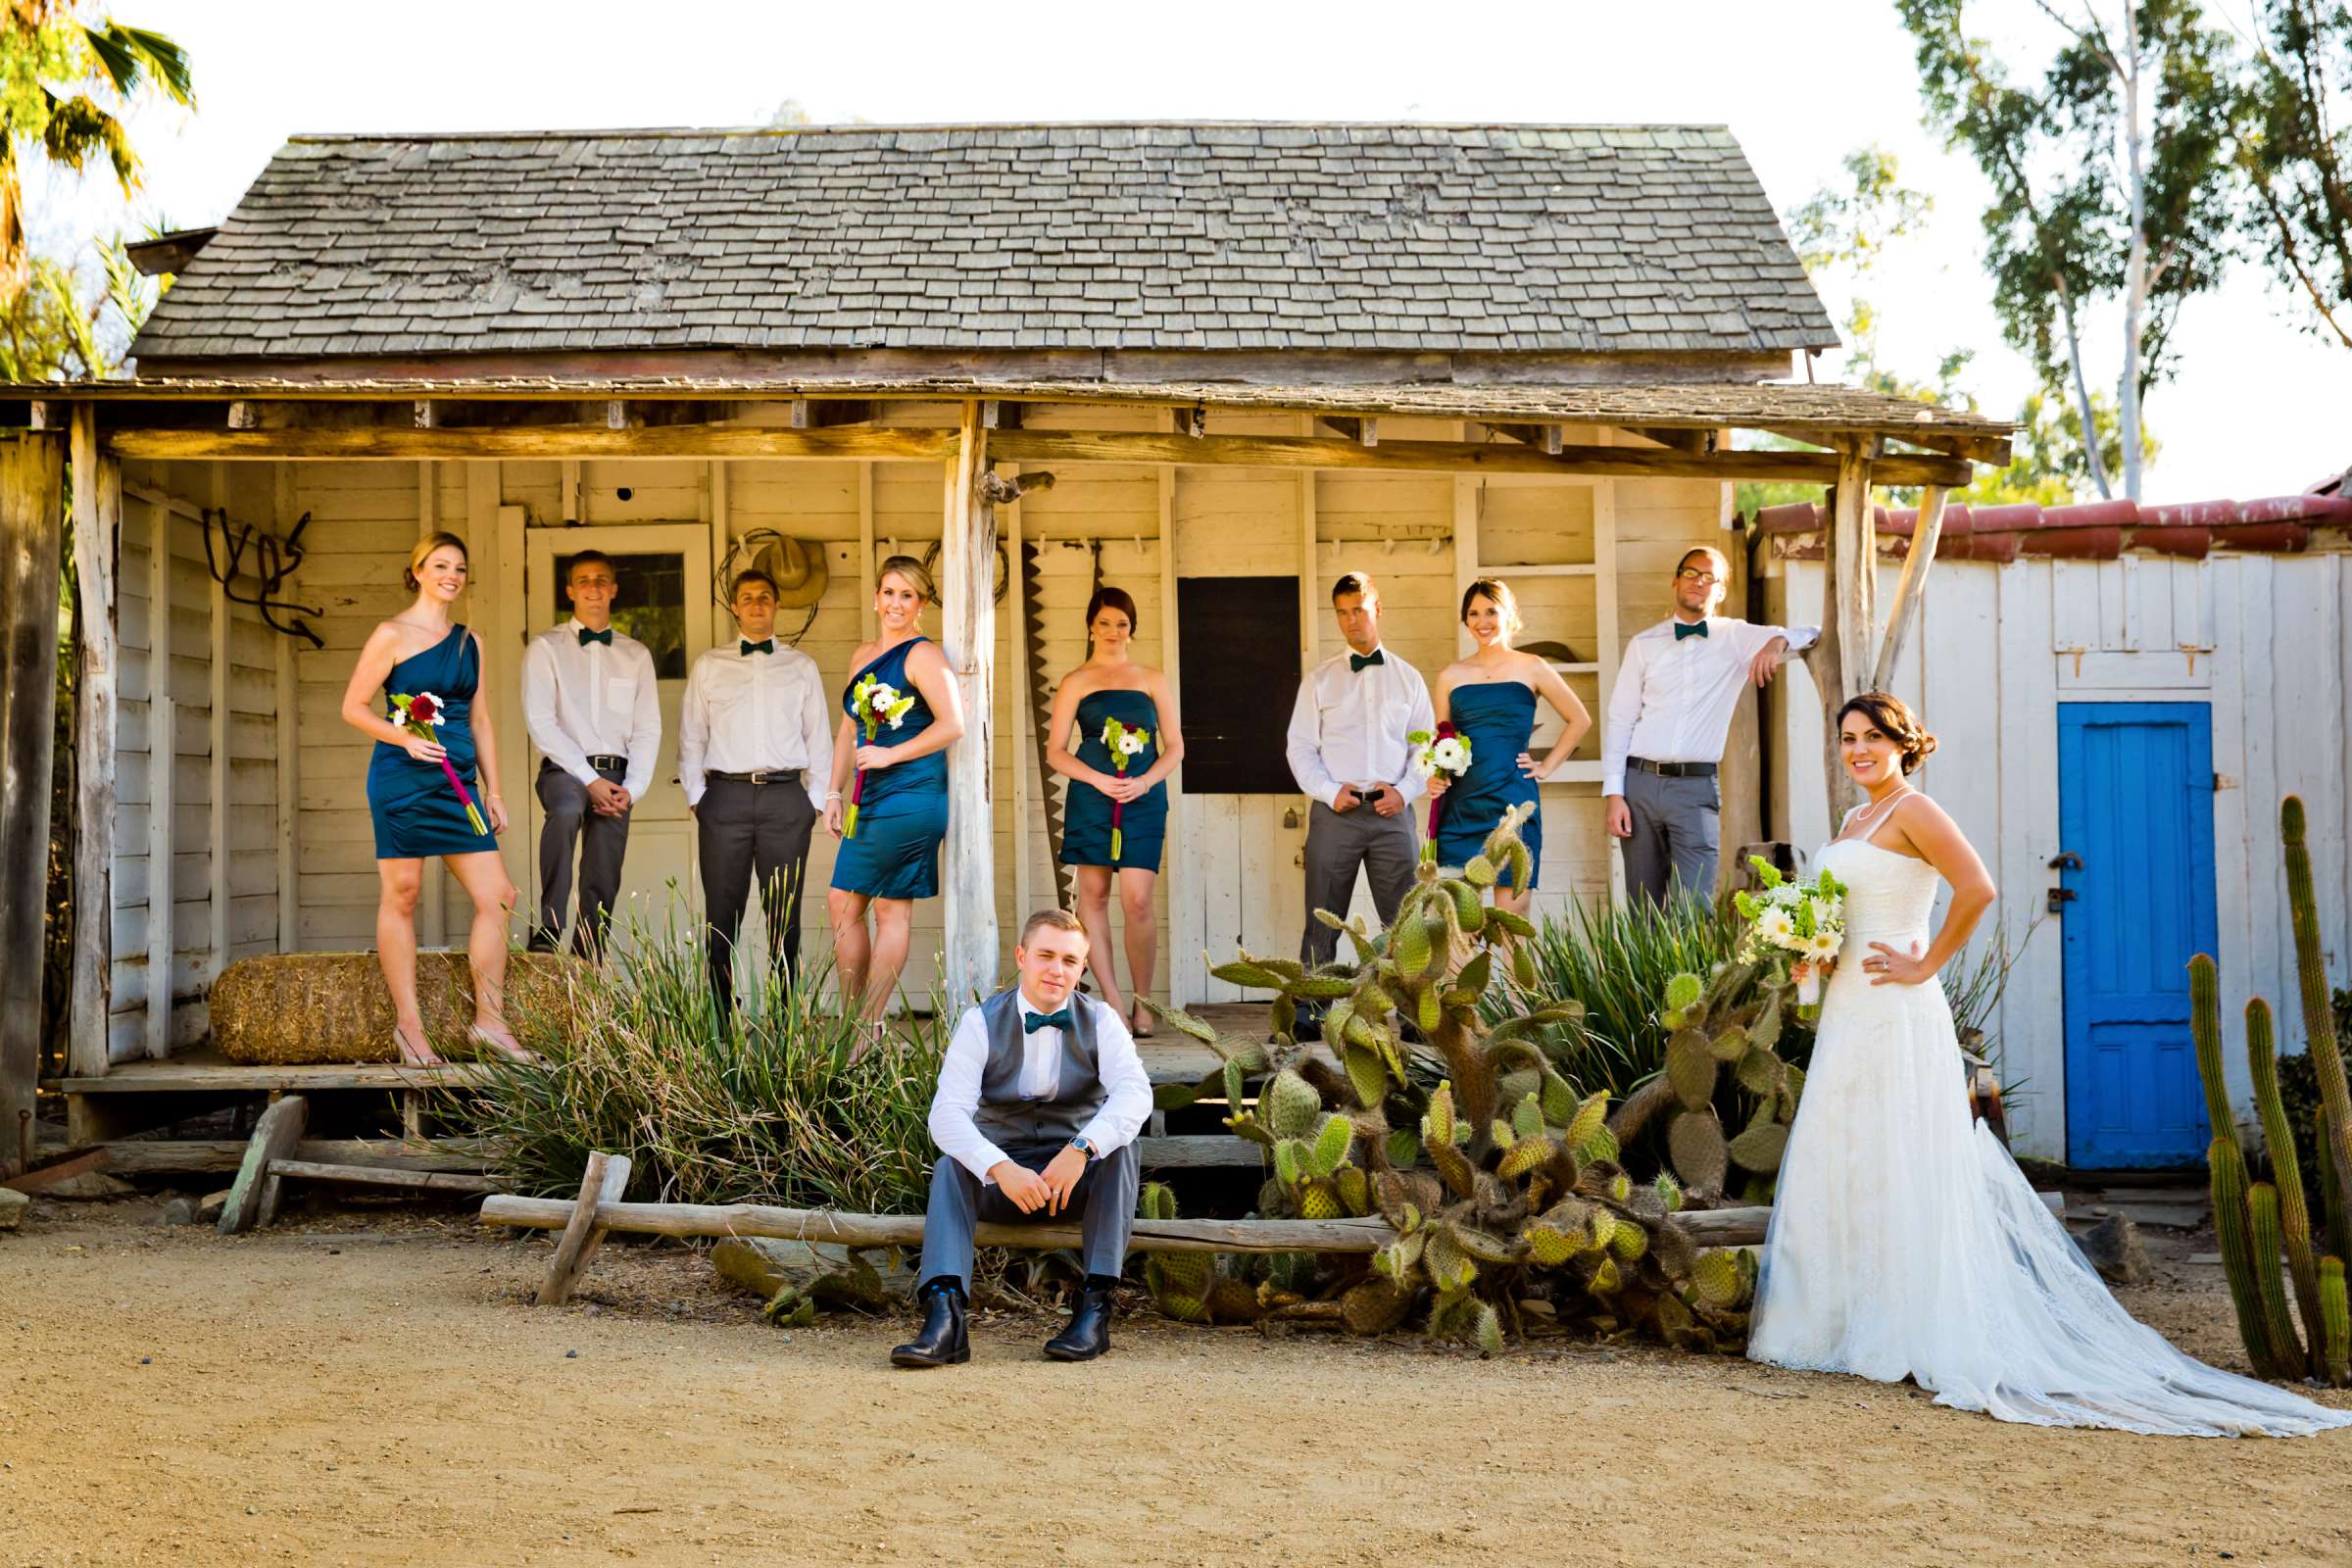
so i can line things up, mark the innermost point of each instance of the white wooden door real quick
(665, 602)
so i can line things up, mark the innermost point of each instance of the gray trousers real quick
(741, 828)
(1677, 828)
(601, 841)
(1338, 843)
(1105, 1200)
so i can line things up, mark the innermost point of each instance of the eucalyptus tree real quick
(2108, 155)
(2296, 153)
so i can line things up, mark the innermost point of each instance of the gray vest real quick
(1003, 1116)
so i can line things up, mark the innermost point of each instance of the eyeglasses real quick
(1686, 574)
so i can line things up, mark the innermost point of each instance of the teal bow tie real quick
(1356, 662)
(1682, 631)
(1031, 1023)
(587, 636)
(767, 647)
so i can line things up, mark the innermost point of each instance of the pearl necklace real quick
(1868, 815)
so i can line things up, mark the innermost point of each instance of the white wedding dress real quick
(1906, 1243)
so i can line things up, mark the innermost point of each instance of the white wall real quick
(2264, 638)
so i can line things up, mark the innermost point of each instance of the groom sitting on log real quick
(1041, 1095)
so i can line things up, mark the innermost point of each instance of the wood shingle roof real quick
(1391, 238)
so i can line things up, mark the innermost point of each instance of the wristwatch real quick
(1082, 1146)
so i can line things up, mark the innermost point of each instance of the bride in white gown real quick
(1904, 1240)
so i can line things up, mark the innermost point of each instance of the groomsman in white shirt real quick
(594, 711)
(1347, 751)
(1669, 716)
(755, 744)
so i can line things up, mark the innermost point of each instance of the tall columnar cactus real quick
(2205, 1031)
(2335, 1327)
(2294, 1216)
(2319, 1012)
(1501, 1185)
(2231, 1226)
(2286, 1347)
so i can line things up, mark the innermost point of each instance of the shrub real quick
(771, 1110)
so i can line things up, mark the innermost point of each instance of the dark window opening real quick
(1237, 641)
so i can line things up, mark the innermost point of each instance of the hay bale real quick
(287, 1009)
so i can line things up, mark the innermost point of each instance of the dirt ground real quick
(358, 1388)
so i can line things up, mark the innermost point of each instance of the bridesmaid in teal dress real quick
(893, 859)
(419, 814)
(1115, 819)
(1491, 698)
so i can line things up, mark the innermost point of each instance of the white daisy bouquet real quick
(1789, 922)
(1443, 750)
(877, 703)
(1125, 743)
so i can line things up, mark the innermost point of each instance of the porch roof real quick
(1512, 239)
(1802, 410)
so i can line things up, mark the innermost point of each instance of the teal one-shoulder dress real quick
(1086, 830)
(418, 815)
(1499, 718)
(902, 810)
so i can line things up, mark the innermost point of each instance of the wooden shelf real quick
(1553, 570)
(1574, 669)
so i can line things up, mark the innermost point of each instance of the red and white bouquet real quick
(420, 714)
(877, 703)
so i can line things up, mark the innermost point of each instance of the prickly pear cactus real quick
(1503, 1185)
(1724, 1021)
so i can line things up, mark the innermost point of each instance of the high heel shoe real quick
(1139, 1022)
(508, 1047)
(414, 1055)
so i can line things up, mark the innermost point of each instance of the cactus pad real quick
(1694, 1142)
(1716, 1278)
(1690, 1067)
(1289, 1104)
(1759, 1149)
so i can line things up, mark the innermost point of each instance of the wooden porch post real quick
(32, 495)
(97, 523)
(1912, 590)
(1847, 645)
(967, 559)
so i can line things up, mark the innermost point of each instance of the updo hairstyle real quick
(1895, 718)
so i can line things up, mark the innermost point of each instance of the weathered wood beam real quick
(1911, 590)
(1682, 438)
(551, 441)
(1453, 456)
(1718, 1227)
(32, 496)
(413, 1181)
(1542, 437)
(97, 517)
(1000, 414)
(824, 413)
(584, 1231)
(1363, 430)
(195, 1156)
(967, 587)
(1987, 448)
(253, 1195)
(1855, 567)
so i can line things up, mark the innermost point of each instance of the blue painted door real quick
(2135, 807)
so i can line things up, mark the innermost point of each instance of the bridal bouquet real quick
(1125, 743)
(875, 703)
(1790, 923)
(1447, 751)
(420, 715)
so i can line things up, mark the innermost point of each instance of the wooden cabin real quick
(1249, 356)
(2122, 694)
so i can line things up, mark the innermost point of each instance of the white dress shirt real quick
(1127, 1101)
(594, 701)
(1674, 697)
(748, 713)
(1350, 725)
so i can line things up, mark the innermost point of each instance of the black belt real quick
(1672, 770)
(766, 775)
(604, 764)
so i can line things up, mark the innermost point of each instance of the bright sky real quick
(2258, 409)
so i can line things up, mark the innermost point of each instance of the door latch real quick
(1290, 817)
(2067, 860)
(2059, 899)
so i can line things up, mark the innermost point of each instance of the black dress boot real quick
(1089, 1333)
(942, 1341)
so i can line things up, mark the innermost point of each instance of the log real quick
(415, 1181)
(1720, 1227)
(1911, 590)
(33, 494)
(585, 1228)
(253, 1195)
(968, 584)
(1047, 447)
(194, 1156)
(97, 516)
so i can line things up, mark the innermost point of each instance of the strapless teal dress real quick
(902, 811)
(417, 813)
(1498, 717)
(1086, 822)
